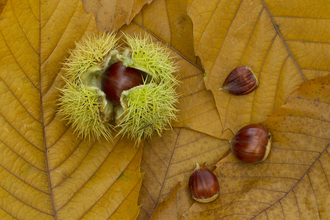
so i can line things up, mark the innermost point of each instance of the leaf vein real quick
(165, 177)
(21, 134)
(151, 172)
(278, 81)
(89, 178)
(25, 203)
(58, 138)
(24, 181)
(306, 173)
(17, 61)
(137, 182)
(19, 24)
(75, 167)
(19, 100)
(21, 157)
(66, 157)
(262, 65)
(325, 175)
(63, 34)
(282, 39)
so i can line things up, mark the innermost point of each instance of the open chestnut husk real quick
(251, 144)
(203, 185)
(123, 88)
(240, 81)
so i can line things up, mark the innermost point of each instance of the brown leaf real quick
(46, 172)
(269, 36)
(173, 207)
(293, 182)
(172, 158)
(112, 15)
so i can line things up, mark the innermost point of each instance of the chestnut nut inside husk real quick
(251, 144)
(203, 185)
(118, 78)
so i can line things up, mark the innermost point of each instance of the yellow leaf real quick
(46, 172)
(2, 5)
(293, 182)
(197, 108)
(278, 40)
(112, 15)
(168, 20)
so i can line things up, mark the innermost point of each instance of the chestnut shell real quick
(251, 143)
(118, 78)
(203, 185)
(240, 81)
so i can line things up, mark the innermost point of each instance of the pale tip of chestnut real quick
(268, 147)
(240, 81)
(203, 185)
(251, 144)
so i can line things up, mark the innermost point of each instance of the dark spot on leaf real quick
(121, 175)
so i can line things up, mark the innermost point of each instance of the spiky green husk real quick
(151, 58)
(81, 106)
(81, 102)
(91, 51)
(150, 108)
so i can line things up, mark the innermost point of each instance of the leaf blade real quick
(45, 169)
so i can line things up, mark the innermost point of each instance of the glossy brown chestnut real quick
(251, 144)
(203, 185)
(240, 81)
(118, 78)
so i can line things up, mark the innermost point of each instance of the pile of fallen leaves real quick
(46, 172)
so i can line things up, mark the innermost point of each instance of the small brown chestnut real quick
(251, 144)
(203, 185)
(240, 81)
(118, 78)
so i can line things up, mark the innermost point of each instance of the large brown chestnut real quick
(118, 78)
(203, 185)
(251, 144)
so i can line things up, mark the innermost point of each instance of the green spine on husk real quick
(80, 106)
(149, 57)
(145, 109)
(91, 51)
(82, 102)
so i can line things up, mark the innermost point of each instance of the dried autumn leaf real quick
(197, 109)
(177, 202)
(172, 208)
(196, 105)
(168, 20)
(46, 172)
(272, 38)
(2, 5)
(293, 183)
(112, 15)
(170, 159)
